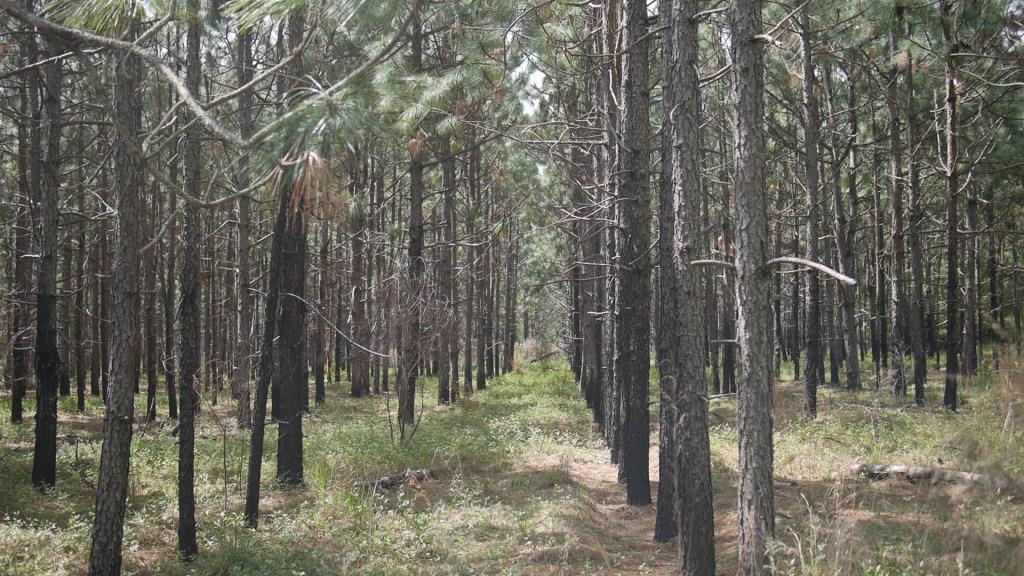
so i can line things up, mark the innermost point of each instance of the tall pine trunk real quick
(191, 300)
(129, 183)
(633, 333)
(756, 508)
(47, 357)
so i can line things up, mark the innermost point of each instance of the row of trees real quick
(809, 176)
(264, 196)
(246, 206)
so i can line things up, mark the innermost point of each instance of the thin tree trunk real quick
(47, 357)
(668, 334)
(916, 308)
(897, 305)
(951, 129)
(129, 184)
(244, 334)
(446, 279)
(632, 342)
(411, 355)
(22, 282)
(78, 330)
(151, 263)
(191, 300)
(265, 367)
(814, 372)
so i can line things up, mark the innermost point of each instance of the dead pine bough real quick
(999, 485)
(396, 480)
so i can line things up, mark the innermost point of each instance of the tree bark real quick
(47, 357)
(244, 332)
(668, 333)
(916, 308)
(897, 304)
(411, 355)
(814, 370)
(129, 184)
(291, 381)
(951, 129)
(633, 333)
(756, 509)
(447, 338)
(692, 465)
(191, 299)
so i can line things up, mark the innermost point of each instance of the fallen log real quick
(1000, 485)
(395, 480)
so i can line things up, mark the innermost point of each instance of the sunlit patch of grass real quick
(505, 496)
(831, 523)
(494, 503)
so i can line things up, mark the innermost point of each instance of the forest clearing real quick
(512, 287)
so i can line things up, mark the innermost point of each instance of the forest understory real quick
(519, 482)
(696, 287)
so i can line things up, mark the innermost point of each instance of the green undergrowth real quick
(505, 494)
(832, 522)
(497, 490)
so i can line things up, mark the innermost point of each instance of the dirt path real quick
(625, 533)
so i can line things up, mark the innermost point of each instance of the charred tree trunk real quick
(191, 300)
(291, 381)
(47, 357)
(632, 339)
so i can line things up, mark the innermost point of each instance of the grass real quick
(521, 485)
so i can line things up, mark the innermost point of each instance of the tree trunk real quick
(633, 334)
(951, 129)
(916, 308)
(446, 280)
(411, 355)
(668, 333)
(78, 330)
(244, 333)
(846, 242)
(814, 372)
(692, 467)
(28, 148)
(152, 380)
(756, 509)
(608, 88)
(129, 184)
(191, 299)
(897, 305)
(358, 367)
(265, 367)
(47, 357)
(169, 290)
(291, 381)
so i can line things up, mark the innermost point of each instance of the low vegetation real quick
(520, 484)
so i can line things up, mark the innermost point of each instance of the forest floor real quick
(520, 484)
